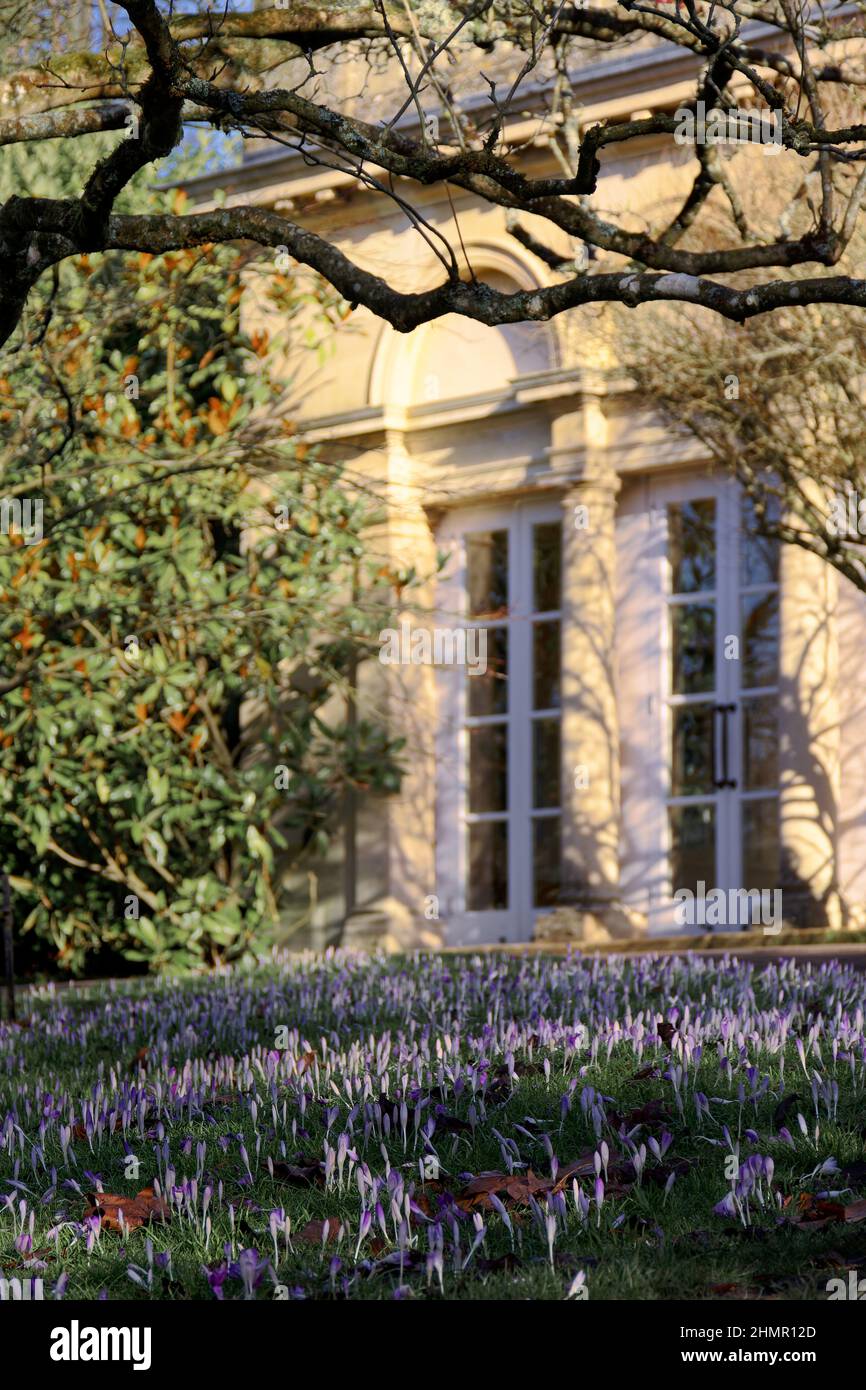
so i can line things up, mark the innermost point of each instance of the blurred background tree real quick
(779, 403)
(174, 646)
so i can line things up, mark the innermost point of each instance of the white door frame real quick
(727, 696)
(452, 814)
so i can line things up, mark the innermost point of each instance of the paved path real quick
(854, 954)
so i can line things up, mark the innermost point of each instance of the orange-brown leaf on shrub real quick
(24, 638)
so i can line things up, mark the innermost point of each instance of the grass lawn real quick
(461, 1127)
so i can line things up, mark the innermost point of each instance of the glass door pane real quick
(488, 582)
(693, 847)
(692, 749)
(545, 542)
(757, 795)
(760, 831)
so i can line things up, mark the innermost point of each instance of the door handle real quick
(725, 780)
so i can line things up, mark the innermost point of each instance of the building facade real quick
(668, 700)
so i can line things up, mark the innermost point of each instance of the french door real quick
(498, 740)
(719, 690)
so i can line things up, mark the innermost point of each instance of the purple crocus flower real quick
(249, 1269)
(727, 1206)
(216, 1276)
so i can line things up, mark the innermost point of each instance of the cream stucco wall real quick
(455, 414)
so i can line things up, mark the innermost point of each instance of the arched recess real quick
(455, 357)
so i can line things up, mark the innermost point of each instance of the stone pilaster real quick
(591, 908)
(398, 831)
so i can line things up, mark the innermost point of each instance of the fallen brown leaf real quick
(225, 1098)
(302, 1173)
(648, 1073)
(486, 1182)
(314, 1231)
(814, 1212)
(79, 1131)
(582, 1167)
(130, 1212)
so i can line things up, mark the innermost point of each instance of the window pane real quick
(487, 879)
(487, 572)
(760, 625)
(693, 847)
(692, 734)
(760, 743)
(761, 843)
(547, 566)
(545, 665)
(759, 557)
(545, 763)
(692, 546)
(488, 692)
(488, 768)
(545, 861)
(693, 647)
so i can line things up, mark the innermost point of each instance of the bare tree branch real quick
(778, 61)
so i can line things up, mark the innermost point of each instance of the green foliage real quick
(169, 647)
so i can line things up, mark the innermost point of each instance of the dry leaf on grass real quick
(302, 1172)
(129, 1212)
(314, 1231)
(814, 1213)
(80, 1131)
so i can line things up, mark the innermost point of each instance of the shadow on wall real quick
(809, 771)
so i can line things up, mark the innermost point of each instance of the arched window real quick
(459, 357)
